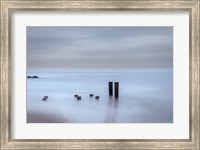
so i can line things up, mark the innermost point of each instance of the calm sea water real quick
(144, 97)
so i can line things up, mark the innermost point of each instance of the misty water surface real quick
(144, 97)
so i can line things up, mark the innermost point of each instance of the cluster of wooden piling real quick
(116, 89)
(96, 97)
(77, 97)
(91, 95)
(110, 89)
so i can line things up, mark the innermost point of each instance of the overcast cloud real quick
(99, 47)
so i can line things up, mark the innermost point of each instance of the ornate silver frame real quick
(8, 7)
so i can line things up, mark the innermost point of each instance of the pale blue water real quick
(144, 97)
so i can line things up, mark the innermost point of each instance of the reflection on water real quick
(144, 97)
(111, 110)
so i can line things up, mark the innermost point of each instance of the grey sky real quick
(99, 47)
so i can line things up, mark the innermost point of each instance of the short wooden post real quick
(116, 89)
(78, 97)
(97, 97)
(44, 99)
(110, 88)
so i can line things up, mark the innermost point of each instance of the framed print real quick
(100, 74)
(82, 68)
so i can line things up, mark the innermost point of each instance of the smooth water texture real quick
(144, 97)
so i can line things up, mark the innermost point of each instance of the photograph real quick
(99, 74)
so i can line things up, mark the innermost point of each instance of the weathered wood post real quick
(97, 97)
(116, 89)
(44, 99)
(78, 97)
(110, 88)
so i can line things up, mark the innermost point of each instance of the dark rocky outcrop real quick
(34, 77)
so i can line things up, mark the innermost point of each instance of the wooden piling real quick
(79, 98)
(97, 97)
(116, 89)
(110, 88)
